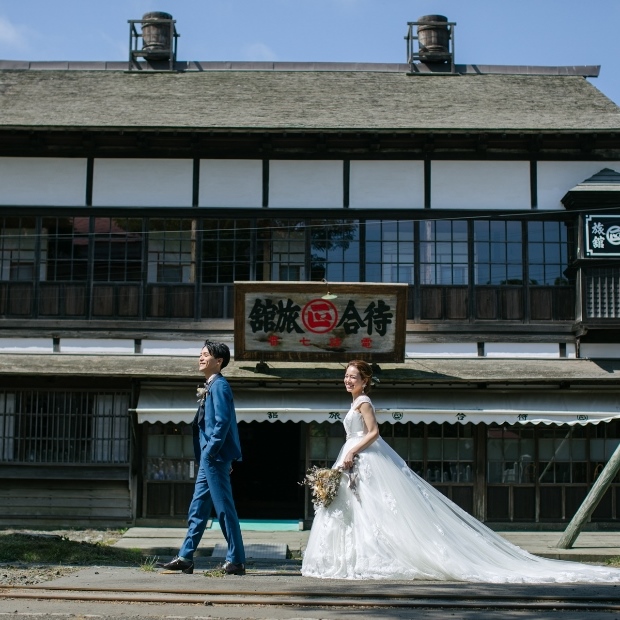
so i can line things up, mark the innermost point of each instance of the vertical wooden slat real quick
(479, 473)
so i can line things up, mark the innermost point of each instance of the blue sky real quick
(532, 32)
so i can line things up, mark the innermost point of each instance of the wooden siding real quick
(65, 502)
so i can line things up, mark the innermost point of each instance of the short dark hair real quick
(218, 350)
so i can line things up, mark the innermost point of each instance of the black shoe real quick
(233, 569)
(185, 566)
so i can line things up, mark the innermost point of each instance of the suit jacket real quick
(215, 434)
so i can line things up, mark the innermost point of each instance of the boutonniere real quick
(201, 393)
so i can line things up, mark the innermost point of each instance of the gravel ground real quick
(25, 574)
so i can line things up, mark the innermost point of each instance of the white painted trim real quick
(96, 346)
(545, 350)
(386, 185)
(231, 183)
(443, 349)
(306, 184)
(556, 178)
(143, 182)
(172, 347)
(44, 181)
(26, 345)
(602, 350)
(489, 185)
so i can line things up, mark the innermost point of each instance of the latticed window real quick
(439, 453)
(142, 268)
(309, 250)
(602, 293)
(443, 252)
(227, 251)
(282, 250)
(171, 251)
(67, 258)
(547, 253)
(18, 248)
(117, 246)
(50, 426)
(324, 443)
(389, 252)
(498, 253)
(442, 454)
(335, 250)
(544, 472)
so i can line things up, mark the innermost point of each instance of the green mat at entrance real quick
(263, 525)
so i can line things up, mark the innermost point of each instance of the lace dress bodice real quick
(354, 422)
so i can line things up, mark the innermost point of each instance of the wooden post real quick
(591, 501)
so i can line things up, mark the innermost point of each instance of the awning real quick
(447, 405)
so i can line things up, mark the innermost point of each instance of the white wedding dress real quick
(394, 525)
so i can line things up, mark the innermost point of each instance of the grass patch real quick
(149, 563)
(217, 573)
(60, 550)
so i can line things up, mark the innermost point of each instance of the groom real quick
(216, 446)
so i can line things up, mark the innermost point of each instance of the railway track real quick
(307, 598)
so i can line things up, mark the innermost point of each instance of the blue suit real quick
(216, 445)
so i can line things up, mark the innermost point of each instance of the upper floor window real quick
(547, 253)
(462, 268)
(443, 252)
(310, 250)
(389, 251)
(498, 252)
(227, 251)
(171, 251)
(335, 250)
(117, 247)
(18, 247)
(67, 257)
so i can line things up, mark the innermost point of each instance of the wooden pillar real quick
(584, 512)
(480, 465)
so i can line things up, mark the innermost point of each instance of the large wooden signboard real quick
(298, 321)
(602, 235)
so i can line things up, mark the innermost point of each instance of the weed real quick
(17, 547)
(214, 572)
(149, 563)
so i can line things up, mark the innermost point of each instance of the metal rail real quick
(314, 598)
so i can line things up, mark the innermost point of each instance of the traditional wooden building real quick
(134, 195)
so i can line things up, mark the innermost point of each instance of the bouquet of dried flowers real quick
(323, 483)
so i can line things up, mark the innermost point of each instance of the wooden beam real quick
(584, 512)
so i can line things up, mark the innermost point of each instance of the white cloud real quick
(13, 36)
(259, 51)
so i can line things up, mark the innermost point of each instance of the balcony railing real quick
(159, 301)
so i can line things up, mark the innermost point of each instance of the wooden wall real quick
(65, 503)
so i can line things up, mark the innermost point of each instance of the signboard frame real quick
(247, 294)
(601, 235)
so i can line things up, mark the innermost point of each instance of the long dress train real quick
(394, 525)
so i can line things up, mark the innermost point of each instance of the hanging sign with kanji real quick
(313, 321)
(602, 235)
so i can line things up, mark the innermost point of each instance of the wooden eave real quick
(477, 372)
(358, 144)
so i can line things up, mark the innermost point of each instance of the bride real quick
(391, 524)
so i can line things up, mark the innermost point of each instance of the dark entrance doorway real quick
(265, 482)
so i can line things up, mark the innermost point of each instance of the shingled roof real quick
(302, 100)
